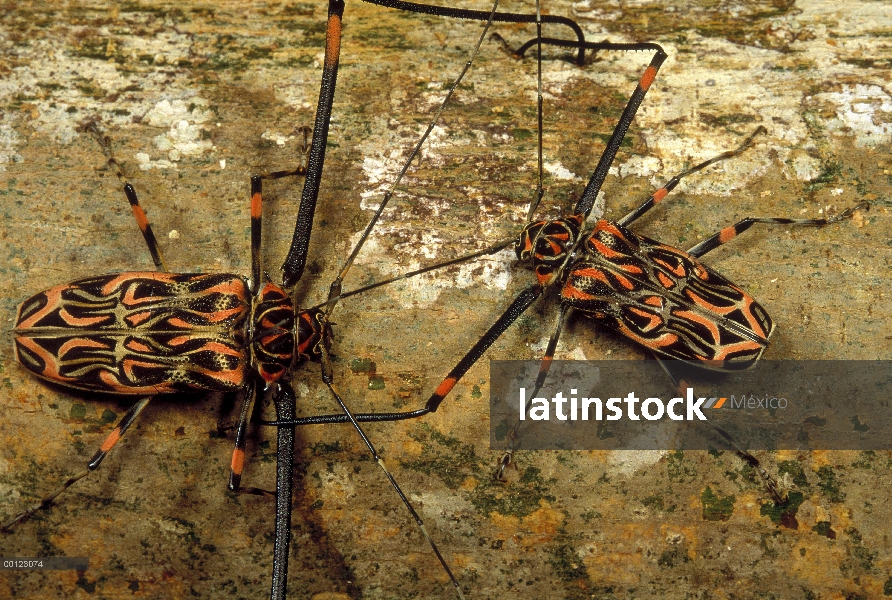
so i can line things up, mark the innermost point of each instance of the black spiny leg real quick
(300, 243)
(590, 194)
(517, 308)
(285, 408)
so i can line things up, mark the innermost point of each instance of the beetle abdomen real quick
(138, 333)
(666, 300)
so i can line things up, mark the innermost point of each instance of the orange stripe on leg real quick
(141, 218)
(445, 387)
(545, 365)
(727, 234)
(650, 73)
(333, 44)
(238, 461)
(111, 440)
(256, 205)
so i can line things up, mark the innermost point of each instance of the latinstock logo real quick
(648, 405)
(612, 409)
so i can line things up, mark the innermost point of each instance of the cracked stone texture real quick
(197, 96)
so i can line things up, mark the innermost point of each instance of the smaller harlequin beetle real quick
(660, 297)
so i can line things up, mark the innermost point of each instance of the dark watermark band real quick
(636, 405)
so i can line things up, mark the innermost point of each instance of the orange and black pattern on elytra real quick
(138, 333)
(665, 299)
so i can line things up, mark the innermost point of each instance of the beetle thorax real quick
(548, 245)
(272, 333)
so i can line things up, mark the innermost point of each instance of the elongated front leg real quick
(293, 266)
(590, 194)
(285, 409)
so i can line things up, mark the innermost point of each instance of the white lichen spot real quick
(438, 138)
(538, 349)
(640, 166)
(376, 170)
(274, 136)
(185, 119)
(559, 171)
(431, 100)
(865, 110)
(806, 167)
(585, 9)
(183, 137)
(145, 162)
(425, 248)
(56, 121)
(627, 462)
(9, 140)
(493, 272)
(577, 354)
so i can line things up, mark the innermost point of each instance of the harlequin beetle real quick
(271, 315)
(147, 333)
